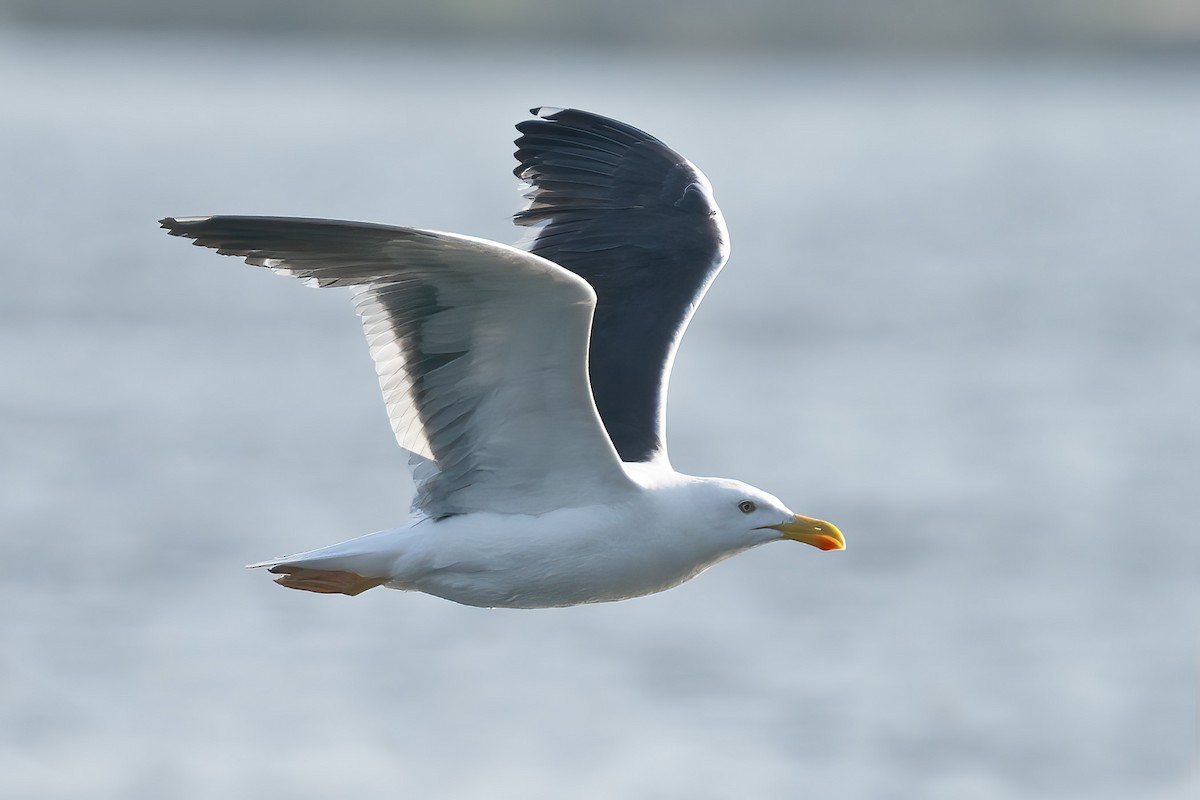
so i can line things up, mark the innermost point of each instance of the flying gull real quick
(529, 386)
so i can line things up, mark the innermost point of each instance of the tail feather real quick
(367, 558)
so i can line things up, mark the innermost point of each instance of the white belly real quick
(567, 557)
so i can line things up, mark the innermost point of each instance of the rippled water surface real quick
(961, 320)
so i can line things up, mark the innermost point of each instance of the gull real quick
(529, 385)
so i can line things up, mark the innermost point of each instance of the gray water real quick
(961, 320)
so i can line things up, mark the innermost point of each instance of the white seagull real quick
(529, 387)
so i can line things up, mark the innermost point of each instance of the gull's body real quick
(539, 482)
(658, 537)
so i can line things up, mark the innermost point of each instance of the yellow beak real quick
(819, 533)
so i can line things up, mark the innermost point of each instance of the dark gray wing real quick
(638, 222)
(480, 351)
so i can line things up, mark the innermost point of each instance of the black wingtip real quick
(172, 226)
(178, 226)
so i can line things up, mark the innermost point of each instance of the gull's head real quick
(743, 510)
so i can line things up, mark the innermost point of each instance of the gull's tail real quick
(349, 567)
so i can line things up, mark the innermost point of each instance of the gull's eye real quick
(747, 507)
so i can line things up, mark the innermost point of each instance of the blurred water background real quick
(961, 319)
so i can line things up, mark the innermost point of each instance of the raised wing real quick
(639, 223)
(480, 348)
